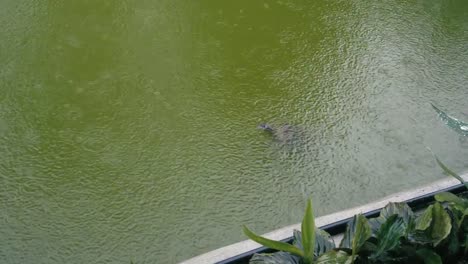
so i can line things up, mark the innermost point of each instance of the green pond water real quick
(128, 128)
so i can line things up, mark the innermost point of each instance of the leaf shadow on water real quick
(456, 125)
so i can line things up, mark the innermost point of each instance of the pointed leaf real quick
(449, 171)
(389, 234)
(424, 220)
(357, 232)
(335, 257)
(308, 233)
(441, 224)
(275, 258)
(278, 245)
(429, 256)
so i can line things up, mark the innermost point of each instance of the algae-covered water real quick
(128, 128)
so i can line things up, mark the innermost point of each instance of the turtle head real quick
(265, 127)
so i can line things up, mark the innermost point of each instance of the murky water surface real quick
(128, 128)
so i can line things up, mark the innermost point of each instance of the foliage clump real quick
(439, 234)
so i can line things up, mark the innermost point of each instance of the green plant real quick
(397, 236)
(437, 235)
(307, 244)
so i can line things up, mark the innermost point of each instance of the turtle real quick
(284, 133)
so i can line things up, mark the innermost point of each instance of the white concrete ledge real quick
(286, 232)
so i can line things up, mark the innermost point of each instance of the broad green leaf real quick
(275, 258)
(421, 233)
(424, 221)
(452, 242)
(429, 256)
(369, 246)
(357, 232)
(278, 245)
(457, 202)
(297, 239)
(464, 221)
(436, 224)
(308, 233)
(420, 237)
(458, 215)
(323, 241)
(335, 257)
(465, 214)
(441, 223)
(389, 234)
(449, 197)
(400, 209)
(449, 171)
(375, 224)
